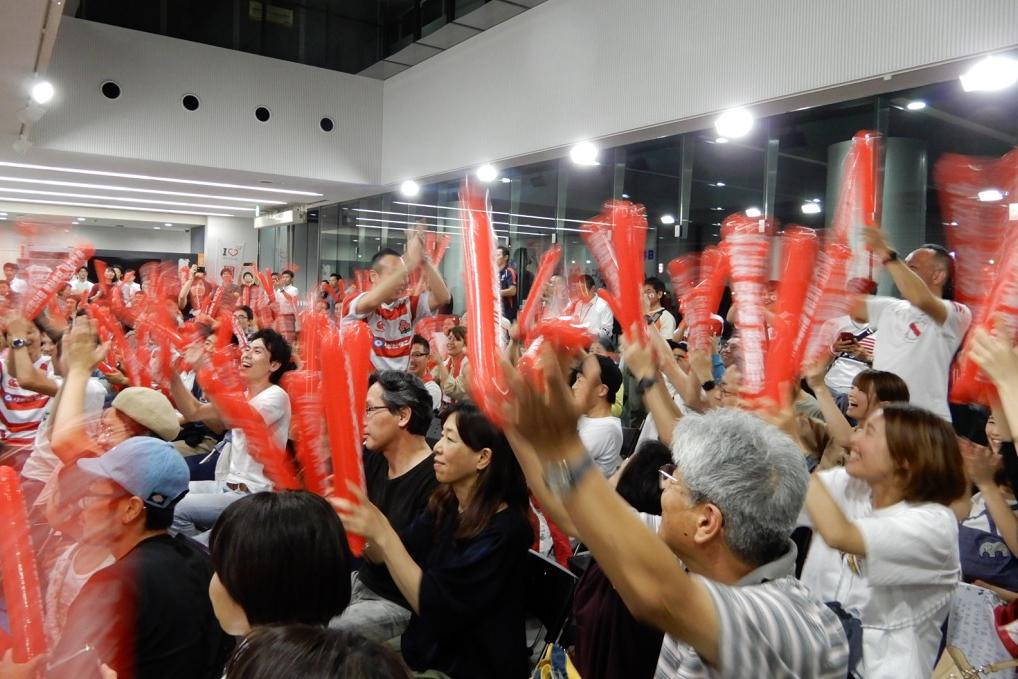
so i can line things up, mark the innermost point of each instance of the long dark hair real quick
(500, 482)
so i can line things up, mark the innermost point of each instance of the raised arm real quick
(640, 360)
(837, 425)
(912, 287)
(81, 353)
(19, 361)
(191, 408)
(830, 521)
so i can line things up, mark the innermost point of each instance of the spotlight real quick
(734, 123)
(42, 92)
(487, 173)
(990, 196)
(917, 105)
(584, 153)
(409, 188)
(989, 75)
(753, 212)
(667, 220)
(811, 208)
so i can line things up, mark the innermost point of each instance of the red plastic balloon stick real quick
(343, 406)
(799, 248)
(20, 574)
(37, 301)
(616, 240)
(531, 312)
(304, 387)
(488, 384)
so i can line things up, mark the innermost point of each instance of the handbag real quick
(555, 664)
(954, 665)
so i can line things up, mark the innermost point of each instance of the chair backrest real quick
(549, 589)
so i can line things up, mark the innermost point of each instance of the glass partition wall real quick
(787, 168)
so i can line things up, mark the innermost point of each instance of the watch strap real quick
(645, 384)
(563, 477)
(892, 256)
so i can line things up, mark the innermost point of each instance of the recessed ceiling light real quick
(753, 212)
(147, 201)
(718, 184)
(167, 224)
(131, 189)
(487, 173)
(721, 140)
(811, 208)
(409, 188)
(157, 228)
(990, 74)
(667, 220)
(990, 195)
(136, 208)
(505, 180)
(917, 105)
(734, 123)
(583, 153)
(171, 180)
(42, 92)
(625, 195)
(717, 209)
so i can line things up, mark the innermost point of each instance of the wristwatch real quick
(709, 385)
(644, 385)
(892, 256)
(562, 477)
(19, 343)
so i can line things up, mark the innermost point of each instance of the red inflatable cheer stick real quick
(20, 574)
(616, 240)
(488, 384)
(530, 313)
(828, 298)
(38, 300)
(799, 248)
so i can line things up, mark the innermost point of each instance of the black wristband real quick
(709, 385)
(645, 384)
(892, 256)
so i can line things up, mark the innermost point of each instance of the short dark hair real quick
(279, 352)
(881, 385)
(283, 557)
(942, 257)
(336, 276)
(11, 265)
(312, 652)
(159, 518)
(226, 269)
(656, 283)
(287, 272)
(403, 390)
(504, 250)
(382, 254)
(611, 376)
(588, 280)
(248, 311)
(418, 340)
(639, 484)
(458, 331)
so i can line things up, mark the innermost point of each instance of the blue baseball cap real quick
(146, 467)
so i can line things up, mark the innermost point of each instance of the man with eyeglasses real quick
(420, 352)
(148, 614)
(243, 320)
(400, 476)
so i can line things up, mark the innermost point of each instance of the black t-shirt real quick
(402, 500)
(147, 616)
(472, 615)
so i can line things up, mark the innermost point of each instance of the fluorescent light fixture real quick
(487, 173)
(917, 105)
(409, 188)
(990, 74)
(151, 178)
(157, 227)
(667, 220)
(42, 92)
(721, 140)
(131, 189)
(734, 123)
(625, 195)
(583, 153)
(136, 208)
(147, 201)
(990, 195)
(720, 185)
(505, 180)
(753, 212)
(717, 209)
(811, 208)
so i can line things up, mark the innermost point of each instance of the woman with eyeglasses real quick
(885, 543)
(459, 563)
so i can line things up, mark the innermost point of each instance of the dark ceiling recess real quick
(190, 102)
(110, 89)
(326, 124)
(262, 114)
(341, 35)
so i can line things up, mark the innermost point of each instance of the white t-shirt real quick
(602, 437)
(595, 315)
(41, 464)
(902, 593)
(845, 368)
(18, 285)
(665, 322)
(286, 298)
(436, 393)
(392, 326)
(274, 406)
(79, 286)
(916, 349)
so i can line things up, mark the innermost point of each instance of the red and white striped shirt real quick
(392, 326)
(21, 410)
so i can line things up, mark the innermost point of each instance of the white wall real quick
(101, 237)
(148, 122)
(229, 233)
(573, 69)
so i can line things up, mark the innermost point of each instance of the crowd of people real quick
(823, 536)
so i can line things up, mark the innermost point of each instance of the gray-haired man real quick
(728, 508)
